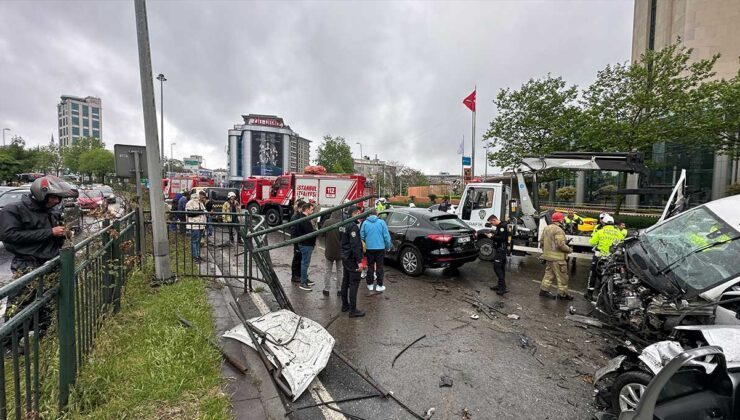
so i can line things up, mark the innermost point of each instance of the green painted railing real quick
(56, 311)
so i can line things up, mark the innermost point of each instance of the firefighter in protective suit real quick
(555, 254)
(603, 240)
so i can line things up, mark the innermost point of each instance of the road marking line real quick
(316, 385)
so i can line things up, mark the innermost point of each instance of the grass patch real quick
(145, 365)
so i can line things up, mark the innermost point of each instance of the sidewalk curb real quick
(254, 395)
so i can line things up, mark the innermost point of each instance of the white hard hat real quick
(232, 194)
(601, 216)
(607, 219)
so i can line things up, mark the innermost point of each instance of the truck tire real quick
(485, 249)
(253, 208)
(274, 217)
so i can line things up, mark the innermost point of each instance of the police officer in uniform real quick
(500, 237)
(352, 265)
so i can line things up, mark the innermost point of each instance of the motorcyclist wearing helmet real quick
(29, 228)
(603, 240)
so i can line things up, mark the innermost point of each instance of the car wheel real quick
(411, 261)
(253, 208)
(273, 217)
(485, 249)
(627, 390)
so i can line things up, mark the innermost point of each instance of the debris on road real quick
(593, 322)
(513, 316)
(526, 341)
(299, 348)
(429, 413)
(406, 348)
(445, 381)
(474, 316)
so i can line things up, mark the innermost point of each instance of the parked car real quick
(67, 211)
(107, 191)
(91, 200)
(422, 238)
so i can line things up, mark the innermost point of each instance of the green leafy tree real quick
(660, 98)
(97, 162)
(72, 154)
(335, 155)
(565, 193)
(540, 117)
(49, 159)
(15, 159)
(410, 177)
(724, 109)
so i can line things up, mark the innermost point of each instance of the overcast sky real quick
(390, 75)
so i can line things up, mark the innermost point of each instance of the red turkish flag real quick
(470, 101)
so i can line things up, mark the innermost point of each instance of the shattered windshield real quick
(697, 248)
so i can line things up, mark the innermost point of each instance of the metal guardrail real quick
(80, 287)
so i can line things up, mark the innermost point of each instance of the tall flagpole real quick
(462, 166)
(472, 153)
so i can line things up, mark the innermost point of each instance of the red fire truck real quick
(180, 183)
(326, 190)
(253, 190)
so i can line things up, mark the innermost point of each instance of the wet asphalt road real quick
(536, 367)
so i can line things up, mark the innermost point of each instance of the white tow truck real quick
(481, 200)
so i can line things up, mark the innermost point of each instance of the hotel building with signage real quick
(265, 146)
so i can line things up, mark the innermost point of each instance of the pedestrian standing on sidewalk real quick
(374, 232)
(306, 246)
(209, 217)
(351, 265)
(196, 217)
(231, 206)
(333, 253)
(555, 253)
(181, 204)
(500, 237)
(295, 264)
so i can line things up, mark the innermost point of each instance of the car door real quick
(398, 225)
(477, 205)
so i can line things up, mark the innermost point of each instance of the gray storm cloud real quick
(390, 75)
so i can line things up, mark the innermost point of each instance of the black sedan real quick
(423, 238)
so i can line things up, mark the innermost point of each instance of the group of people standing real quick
(195, 216)
(354, 249)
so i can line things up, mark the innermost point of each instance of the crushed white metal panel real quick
(301, 346)
(657, 355)
(724, 336)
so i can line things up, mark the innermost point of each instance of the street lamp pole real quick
(161, 79)
(361, 155)
(4, 130)
(172, 156)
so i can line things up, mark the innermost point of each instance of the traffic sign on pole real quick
(466, 160)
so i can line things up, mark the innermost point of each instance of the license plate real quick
(463, 240)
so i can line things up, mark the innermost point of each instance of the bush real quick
(566, 193)
(607, 191)
(734, 189)
(542, 192)
(432, 198)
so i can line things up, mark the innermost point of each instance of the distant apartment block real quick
(79, 117)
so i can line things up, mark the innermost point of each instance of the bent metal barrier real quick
(57, 309)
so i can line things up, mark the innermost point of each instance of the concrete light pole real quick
(161, 79)
(361, 155)
(4, 130)
(172, 155)
(160, 244)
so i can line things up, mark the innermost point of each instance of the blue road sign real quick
(466, 161)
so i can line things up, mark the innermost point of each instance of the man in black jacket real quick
(34, 234)
(306, 246)
(351, 265)
(500, 237)
(29, 228)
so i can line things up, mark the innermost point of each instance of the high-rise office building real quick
(79, 117)
(709, 27)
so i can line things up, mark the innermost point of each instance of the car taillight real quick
(440, 238)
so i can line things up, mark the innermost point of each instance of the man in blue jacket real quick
(374, 232)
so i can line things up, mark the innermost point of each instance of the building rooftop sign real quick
(268, 120)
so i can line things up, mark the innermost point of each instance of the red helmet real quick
(557, 217)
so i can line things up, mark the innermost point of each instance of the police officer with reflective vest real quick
(352, 265)
(603, 240)
(500, 236)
